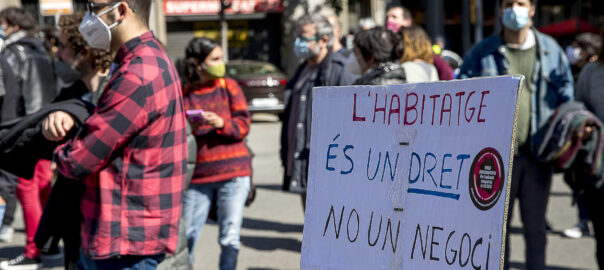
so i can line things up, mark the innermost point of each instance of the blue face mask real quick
(301, 48)
(515, 18)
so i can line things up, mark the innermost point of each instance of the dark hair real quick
(396, 4)
(15, 16)
(68, 24)
(590, 43)
(377, 43)
(142, 9)
(196, 53)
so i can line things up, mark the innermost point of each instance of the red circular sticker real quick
(486, 178)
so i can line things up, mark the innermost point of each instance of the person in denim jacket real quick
(521, 49)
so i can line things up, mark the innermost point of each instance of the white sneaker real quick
(6, 233)
(21, 263)
(576, 231)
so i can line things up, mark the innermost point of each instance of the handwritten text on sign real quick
(409, 176)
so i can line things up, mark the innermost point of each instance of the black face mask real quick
(65, 71)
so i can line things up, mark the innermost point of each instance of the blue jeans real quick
(230, 199)
(121, 262)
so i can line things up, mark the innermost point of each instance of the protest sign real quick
(410, 176)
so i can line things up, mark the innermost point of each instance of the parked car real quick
(262, 83)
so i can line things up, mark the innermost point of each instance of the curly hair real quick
(99, 59)
(417, 44)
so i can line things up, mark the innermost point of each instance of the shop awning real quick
(212, 7)
(568, 27)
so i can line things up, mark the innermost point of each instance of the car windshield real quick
(251, 70)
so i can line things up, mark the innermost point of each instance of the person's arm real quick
(121, 113)
(564, 77)
(238, 126)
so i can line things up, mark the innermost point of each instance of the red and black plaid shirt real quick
(131, 154)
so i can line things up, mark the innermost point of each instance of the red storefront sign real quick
(212, 7)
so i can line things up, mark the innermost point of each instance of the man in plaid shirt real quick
(131, 153)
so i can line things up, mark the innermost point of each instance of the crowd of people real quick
(124, 157)
(403, 53)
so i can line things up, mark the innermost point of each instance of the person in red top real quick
(218, 112)
(131, 152)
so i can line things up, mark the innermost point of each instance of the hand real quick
(213, 119)
(587, 132)
(56, 126)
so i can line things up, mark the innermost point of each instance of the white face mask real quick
(96, 33)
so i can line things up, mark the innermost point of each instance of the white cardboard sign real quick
(410, 176)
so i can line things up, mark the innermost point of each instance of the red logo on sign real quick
(486, 178)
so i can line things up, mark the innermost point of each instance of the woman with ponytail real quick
(218, 113)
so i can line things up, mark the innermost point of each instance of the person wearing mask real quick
(28, 59)
(417, 57)
(223, 165)
(377, 51)
(32, 65)
(583, 50)
(397, 17)
(61, 215)
(320, 67)
(9, 95)
(92, 65)
(130, 154)
(589, 90)
(548, 82)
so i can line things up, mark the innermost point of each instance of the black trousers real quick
(594, 199)
(531, 183)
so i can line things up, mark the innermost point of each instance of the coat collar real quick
(497, 43)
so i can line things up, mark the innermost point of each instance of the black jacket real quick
(34, 70)
(10, 92)
(383, 74)
(22, 143)
(296, 117)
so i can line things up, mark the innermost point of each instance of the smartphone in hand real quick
(195, 116)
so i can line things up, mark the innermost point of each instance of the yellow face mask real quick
(216, 71)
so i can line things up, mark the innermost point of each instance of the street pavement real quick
(271, 236)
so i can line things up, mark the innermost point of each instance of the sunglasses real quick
(96, 7)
